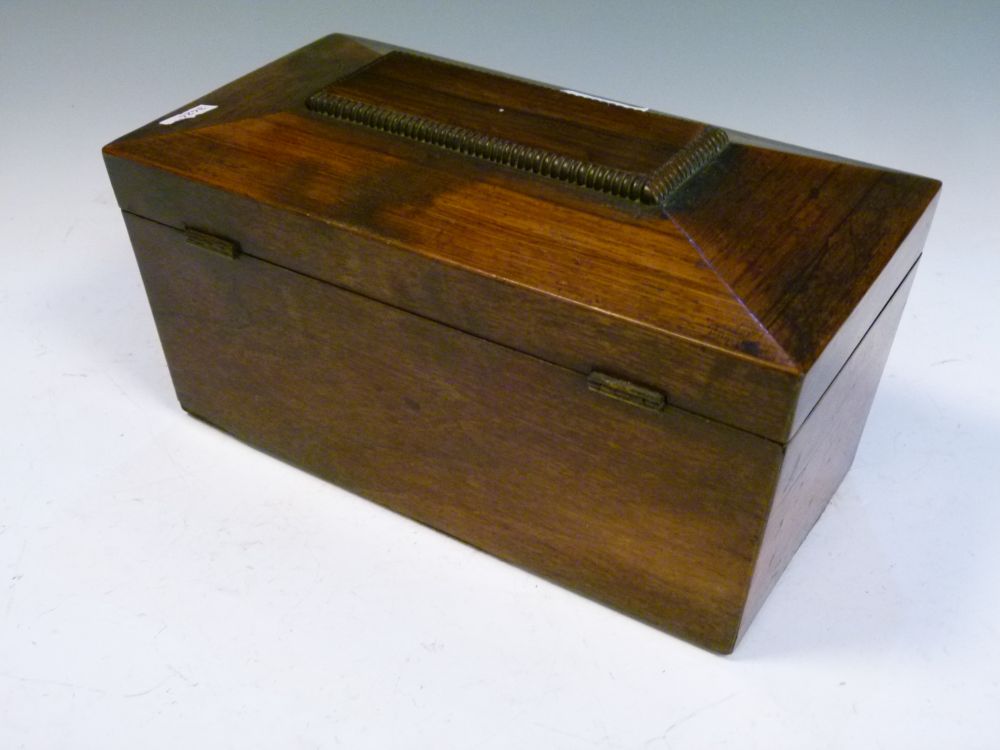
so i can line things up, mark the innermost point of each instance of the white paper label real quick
(601, 99)
(188, 114)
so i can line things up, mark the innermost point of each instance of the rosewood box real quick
(629, 352)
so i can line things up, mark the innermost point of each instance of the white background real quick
(163, 586)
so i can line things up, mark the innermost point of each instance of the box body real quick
(383, 268)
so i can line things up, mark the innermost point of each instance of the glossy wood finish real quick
(533, 115)
(655, 513)
(816, 461)
(697, 378)
(418, 325)
(816, 278)
(717, 283)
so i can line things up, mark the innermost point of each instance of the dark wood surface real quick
(655, 513)
(534, 115)
(700, 379)
(819, 456)
(813, 246)
(756, 263)
(418, 325)
(659, 514)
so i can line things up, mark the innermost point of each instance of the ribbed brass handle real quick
(458, 109)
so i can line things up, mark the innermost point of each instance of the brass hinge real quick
(220, 245)
(626, 390)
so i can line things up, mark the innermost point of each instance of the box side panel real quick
(846, 340)
(657, 514)
(822, 451)
(803, 241)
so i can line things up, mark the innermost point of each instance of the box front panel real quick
(656, 513)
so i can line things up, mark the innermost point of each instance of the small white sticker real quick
(189, 113)
(601, 99)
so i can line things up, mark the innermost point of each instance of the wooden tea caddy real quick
(631, 353)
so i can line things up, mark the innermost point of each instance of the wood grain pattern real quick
(846, 237)
(622, 151)
(816, 461)
(830, 362)
(646, 273)
(759, 261)
(419, 326)
(539, 116)
(655, 513)
(702, 379)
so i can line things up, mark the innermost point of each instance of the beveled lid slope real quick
(813, 245)
(744, 253)
(800, 238)
(566, 235)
